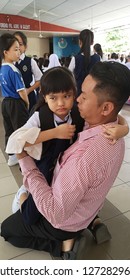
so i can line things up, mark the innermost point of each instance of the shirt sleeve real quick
(17, 80)
(36, 71)
(33, 121)
(72, 64)
(57, 203)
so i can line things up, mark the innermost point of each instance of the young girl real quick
(82, 63)
(29, 69)
(15, 103)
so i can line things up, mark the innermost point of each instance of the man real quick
(83, 175)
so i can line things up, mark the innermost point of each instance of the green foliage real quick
(116, 41)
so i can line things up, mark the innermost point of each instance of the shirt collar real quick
(67, 119)
(90, 132)
(22, 56)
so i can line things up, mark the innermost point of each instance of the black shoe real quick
(100, 233)
(71, 255)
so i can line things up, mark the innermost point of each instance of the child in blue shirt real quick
(15, 102)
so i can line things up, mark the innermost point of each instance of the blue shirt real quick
(11, 81)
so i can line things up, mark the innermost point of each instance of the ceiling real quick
(100, 15)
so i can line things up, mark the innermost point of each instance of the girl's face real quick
(60, 103)
(22, 47)
(13, 54)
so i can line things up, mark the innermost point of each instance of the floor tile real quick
(127, 215)
(8, 185)
(89, 250)
(108, 211)
(127, 155)
(124, 173)
(8, 251)
(34, 255)
(127, 142)
(120, 197)
(5, 206)
(2, 158)
(17, 174)
(119, 246)
(4, 170)
(117, 182)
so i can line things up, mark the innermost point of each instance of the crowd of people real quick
(67, 143)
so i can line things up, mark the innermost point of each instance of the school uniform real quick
(80, 72)
(50, 152)
(30, 73)
(14, 109)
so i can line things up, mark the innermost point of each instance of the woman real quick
(81, 64)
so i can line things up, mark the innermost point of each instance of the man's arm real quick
(56, 203)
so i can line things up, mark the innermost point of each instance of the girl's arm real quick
(23, 95)
(64, 131)
(116, 131)
(34, 86)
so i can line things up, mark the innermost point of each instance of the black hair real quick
(55, 80)
(6, 42)
(98, 49)
(86, 38)
(22, 36)
(113, 83)
(114, 56)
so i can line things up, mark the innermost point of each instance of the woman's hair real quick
(40, 63)
(86, 38)
(22, 36)
(55, 80)
(97, 47)
(6, 42)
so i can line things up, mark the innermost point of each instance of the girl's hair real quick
(98, 49)
(55, 80)
(86, 38)
(6, 42)
(22, 36)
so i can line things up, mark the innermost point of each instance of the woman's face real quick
(22, 47)
(13, 54)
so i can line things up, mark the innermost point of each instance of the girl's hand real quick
(21, 155)
(113, 132)
(65, 131)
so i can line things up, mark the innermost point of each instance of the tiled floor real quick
(115, 213)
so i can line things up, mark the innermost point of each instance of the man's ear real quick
(108, 107)
(44, 97)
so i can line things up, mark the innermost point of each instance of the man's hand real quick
(21, 155)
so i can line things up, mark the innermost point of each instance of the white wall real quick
(37, 46)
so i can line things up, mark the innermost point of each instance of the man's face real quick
(88, 103)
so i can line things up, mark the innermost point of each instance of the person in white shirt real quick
(29, 69)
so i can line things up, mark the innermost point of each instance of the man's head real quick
(104, 92)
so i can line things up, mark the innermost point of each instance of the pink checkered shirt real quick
(81, 181)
